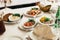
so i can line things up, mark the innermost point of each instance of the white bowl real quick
(48, 16)
(31, 15)
(29, 26)
(16, 19)
(11, 21)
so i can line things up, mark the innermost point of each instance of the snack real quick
(5, 17)
(10, 17)
(43, 31)
(14, 17)
(46, 20)
(29, 23)
(43, 8)
(34, 11)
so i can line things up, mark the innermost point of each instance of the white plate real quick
(21, 25)
(26, 20)
(12, 21)
(28, 9)
(49, 16)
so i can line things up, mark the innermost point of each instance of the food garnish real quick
(46, 20)
(34, 8)
(16, 15)
(29, 23)
(11, 17)
(34, 11)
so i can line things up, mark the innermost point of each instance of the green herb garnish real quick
(16, 15)
(34, 8)
(31, 20)
(47, 19)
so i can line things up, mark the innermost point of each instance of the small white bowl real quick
(11, 21)
(31, 15)
(48, 16)
(29, 26)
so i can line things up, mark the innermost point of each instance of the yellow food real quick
(13, 18)
(42, 19)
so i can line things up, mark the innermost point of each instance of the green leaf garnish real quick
(34, 8)
(47, 19)
(31, 20)
(16, 15)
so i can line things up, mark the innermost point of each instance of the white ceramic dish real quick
(31, 15)
(21, 25)
(48, 16)
(16, 21)
(29, 26)
(11, 18)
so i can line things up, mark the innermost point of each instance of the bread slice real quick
(43, 31)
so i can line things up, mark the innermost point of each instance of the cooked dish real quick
(34, 11)
(46, 20)
(44, 31)
(14, 17)
(44, 8)
(29, 23)
(11, 17)
(5, 17)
